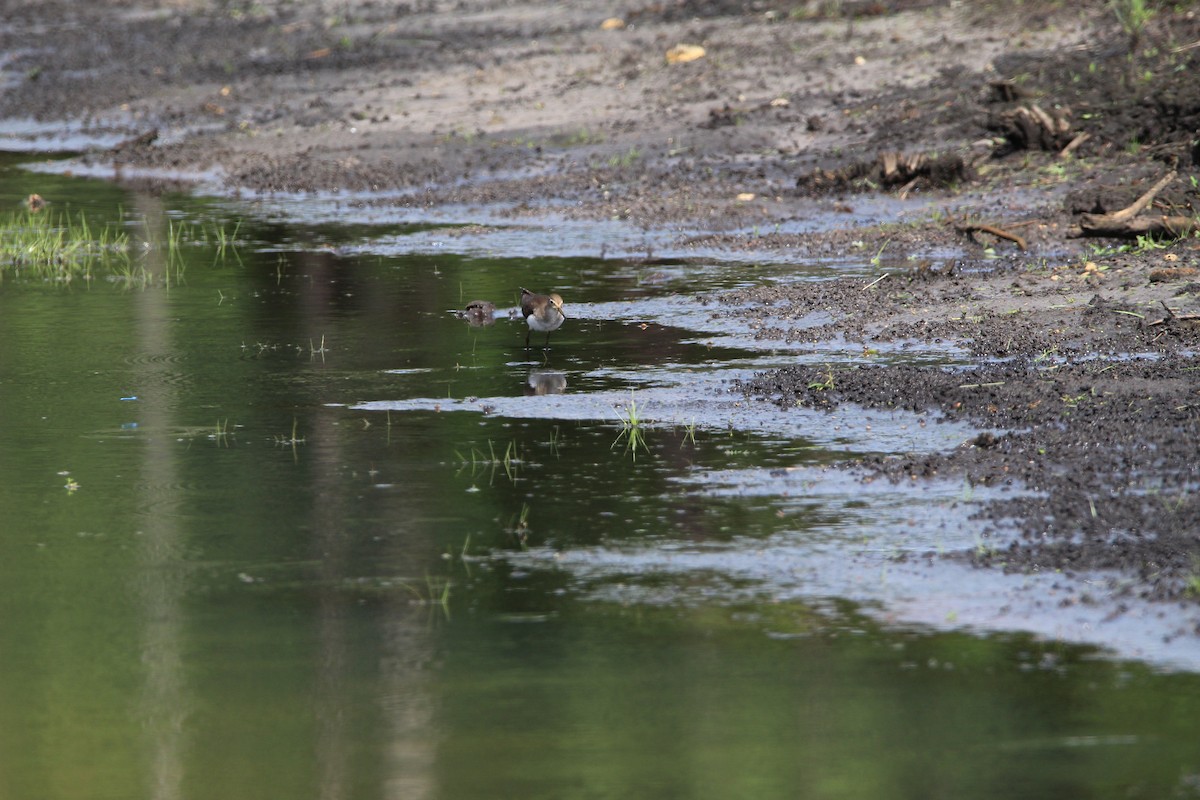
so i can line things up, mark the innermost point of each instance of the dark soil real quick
(1084, 372)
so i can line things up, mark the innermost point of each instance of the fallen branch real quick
(1173, 317)
(1073, 144)
(973, 227)
(1124, 223)
(892, 169)
(1162, 227)
(1139, 205)
(1032, 128)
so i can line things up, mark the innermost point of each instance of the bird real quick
(479, 313)
(543, 313)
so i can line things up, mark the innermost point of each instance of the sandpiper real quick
(542, 313)
(479, 313)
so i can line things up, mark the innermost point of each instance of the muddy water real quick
(288, 528)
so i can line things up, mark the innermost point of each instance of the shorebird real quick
(479, 313)
(543, 313)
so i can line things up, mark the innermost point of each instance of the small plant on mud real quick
(1045, 354)
(626, 159)
(878, 259)
(1191, 585)
(583, 136)
(1104, 250)
(825, 385)
(983, 548)
(1148, 243)
(1073, 401)
(1133, 15)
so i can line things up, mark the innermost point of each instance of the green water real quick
(223, 577)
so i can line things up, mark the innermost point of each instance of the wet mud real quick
(1008, 124)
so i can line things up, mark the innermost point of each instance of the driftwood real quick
(1032, 128)
(898, 168)
(1073, 144)
(892, 169)
(1161, 227)
(974, 227)
(1172, 317)
(1127, 224)
(1006, 91)
(1000, 233)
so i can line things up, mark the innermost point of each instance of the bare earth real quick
(1085, 353)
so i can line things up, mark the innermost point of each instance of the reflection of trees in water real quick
(405, 748)
(161, 583)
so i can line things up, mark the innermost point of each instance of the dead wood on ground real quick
(1126, 223)
(1032, 128)
(892, 169)
(981, 227)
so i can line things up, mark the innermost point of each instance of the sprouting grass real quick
(434, 594)
(480, 462)
(220, 434)
(59, 246)
(226, 241)
(825, 385)
(1133, 15)
(510, 459)
(518, 525)
(290, 441)
(582, 137)
(315, 352)
(983, 549)
(1191, 580)
(182, 234)
(131, 275)
(689, 433)
(437, 593)
(631, 429)
(463, 552)
(626, 159)
(877, 260)
(64, 246)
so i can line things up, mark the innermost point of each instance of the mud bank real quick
(1011, 125)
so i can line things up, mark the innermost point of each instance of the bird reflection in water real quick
(545, 381)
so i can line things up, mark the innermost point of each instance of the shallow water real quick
(288, 528)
